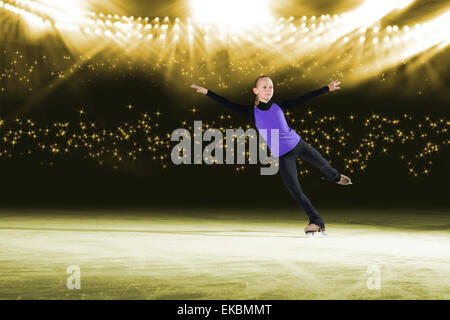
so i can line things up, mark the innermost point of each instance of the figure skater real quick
(268, 115)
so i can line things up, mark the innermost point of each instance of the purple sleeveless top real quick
(273, 118)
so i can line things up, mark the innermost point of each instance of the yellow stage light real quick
(402, 4)
(232, 13)
(67, 9)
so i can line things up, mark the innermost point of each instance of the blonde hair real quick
(256, 84)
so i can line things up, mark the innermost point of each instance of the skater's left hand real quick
(334, 85)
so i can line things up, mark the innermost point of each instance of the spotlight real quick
(232, 13)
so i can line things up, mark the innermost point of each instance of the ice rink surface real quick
(223, 254)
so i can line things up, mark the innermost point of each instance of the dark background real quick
(74, 181)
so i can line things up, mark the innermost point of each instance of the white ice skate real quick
(313, 231)
(322, 234)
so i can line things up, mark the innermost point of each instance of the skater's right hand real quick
(199, 89)
(334, 85)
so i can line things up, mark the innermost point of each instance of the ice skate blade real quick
(321, 234)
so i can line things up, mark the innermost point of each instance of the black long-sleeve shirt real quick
(284, 105)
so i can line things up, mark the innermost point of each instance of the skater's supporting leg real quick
(288, 172)
(311, 155)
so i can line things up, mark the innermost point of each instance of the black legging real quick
(288, 171)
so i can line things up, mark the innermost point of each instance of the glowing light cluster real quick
(357, 30)
(232, 13)
(69, 11)
(378, 134)
(113, 146)
(107, 146)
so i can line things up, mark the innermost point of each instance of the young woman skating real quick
(268, 115)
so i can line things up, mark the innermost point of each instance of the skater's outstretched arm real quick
(287, 104)
(244, 110)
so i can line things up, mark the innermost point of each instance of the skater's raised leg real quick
(311, 155)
